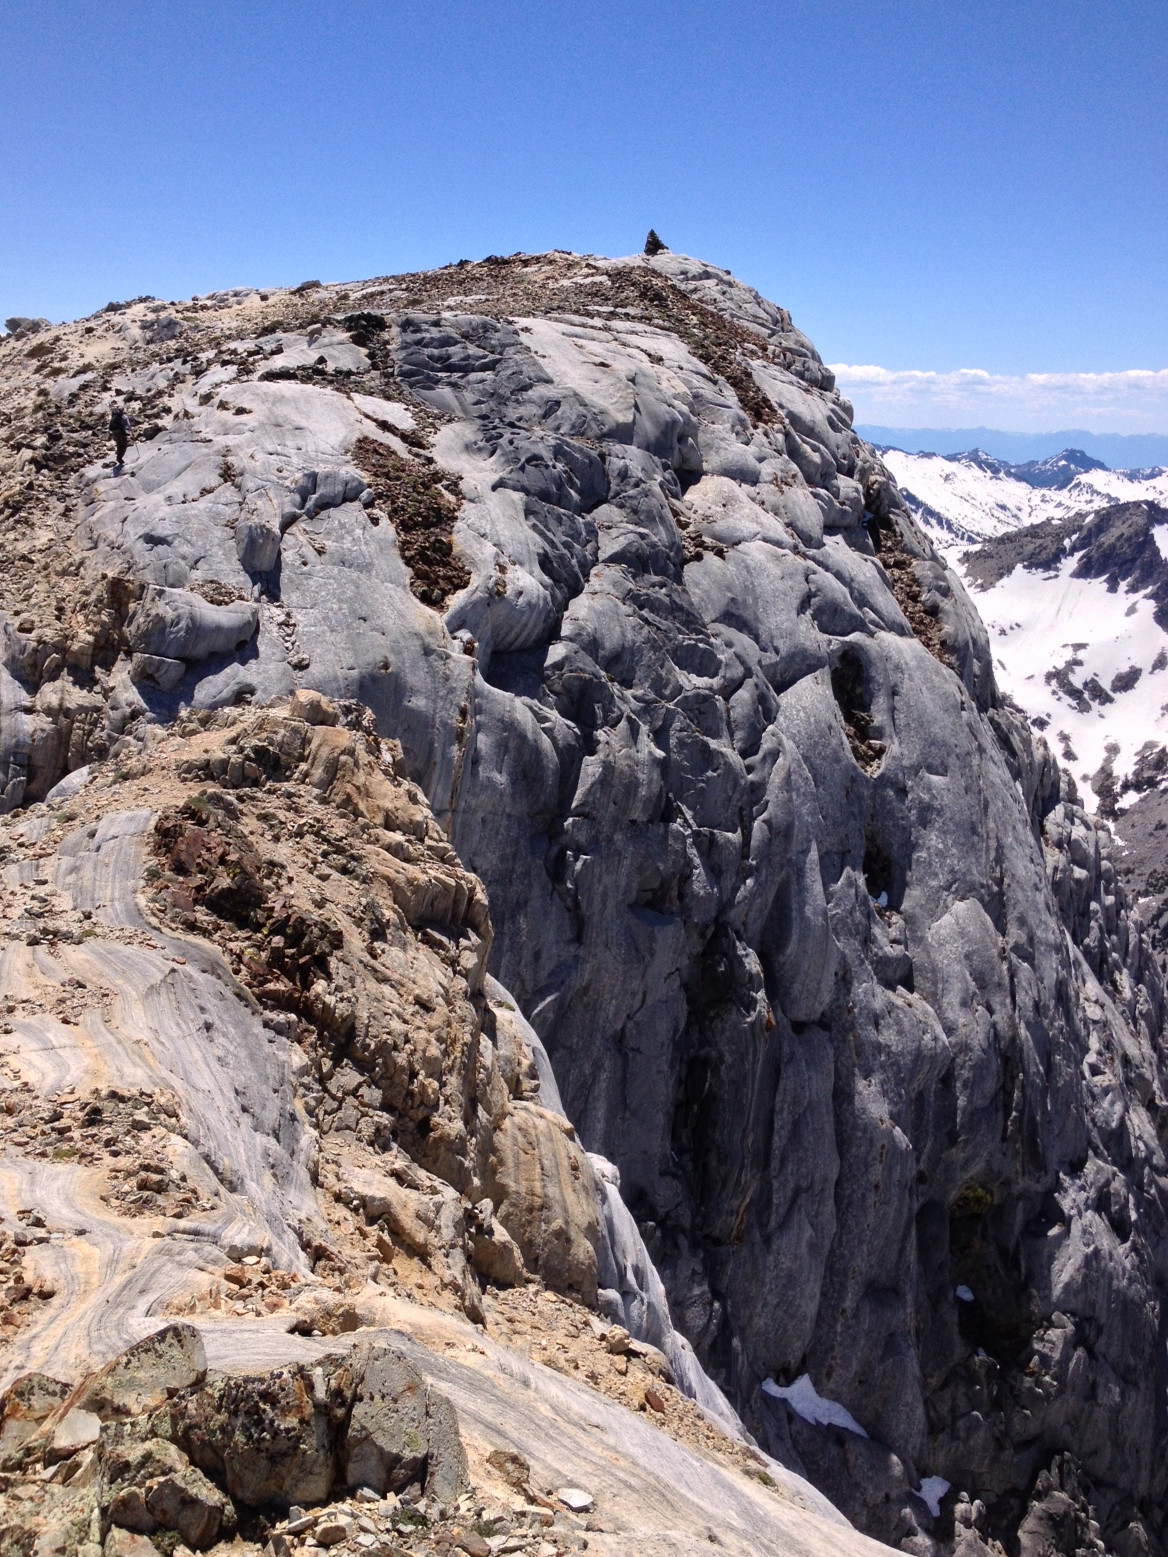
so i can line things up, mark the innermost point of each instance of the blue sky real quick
(930, 185)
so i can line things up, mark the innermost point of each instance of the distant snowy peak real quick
(1059, 470)
(1077, 610)
(966, 498)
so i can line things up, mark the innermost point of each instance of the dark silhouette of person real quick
(119, 426)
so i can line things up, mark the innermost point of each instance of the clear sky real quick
(929, 185)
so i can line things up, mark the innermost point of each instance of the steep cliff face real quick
(824, 961)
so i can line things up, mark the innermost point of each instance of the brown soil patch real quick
(898, 565)
(414, 495)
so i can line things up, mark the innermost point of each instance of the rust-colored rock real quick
(545, 1192)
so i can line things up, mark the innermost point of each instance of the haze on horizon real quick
(971, 199)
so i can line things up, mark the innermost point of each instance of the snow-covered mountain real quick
(1065, 561)
(1077, 610)
(966, 498)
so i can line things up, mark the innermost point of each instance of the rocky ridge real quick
(826, 957)
(221, 1109)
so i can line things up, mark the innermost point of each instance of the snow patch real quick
(931, 1490)
(806, 1401)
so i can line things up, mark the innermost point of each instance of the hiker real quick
(119, 426)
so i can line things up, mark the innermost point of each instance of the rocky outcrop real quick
(824, 955)
(418, 1109)
(369, 1420)
(382, 1442)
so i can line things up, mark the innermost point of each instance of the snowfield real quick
(1083, 657)
(1040, 623)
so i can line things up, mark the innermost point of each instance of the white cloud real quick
(1135, 401)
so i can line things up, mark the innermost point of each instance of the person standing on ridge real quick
(119, 426)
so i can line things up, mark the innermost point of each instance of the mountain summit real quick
(1058, 470)
(511, 821)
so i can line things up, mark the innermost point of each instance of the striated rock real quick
(830, 965)
(542, 1184)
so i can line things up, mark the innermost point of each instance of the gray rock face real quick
(825, 959)
(399, 1429)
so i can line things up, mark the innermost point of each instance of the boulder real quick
(312, 708)
(193, 1507)
(513, 1467)
(76, 1430)
(495, 1255)
(24, 1407)
(147, 1374)
(269, 1439)
(161, 672)
(127, 1543)
(288, 1437)
(20, 325)
(127, 1470)
(400, 1430)
(257, 544)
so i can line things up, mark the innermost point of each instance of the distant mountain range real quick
(970, 497)
(1121, 451)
